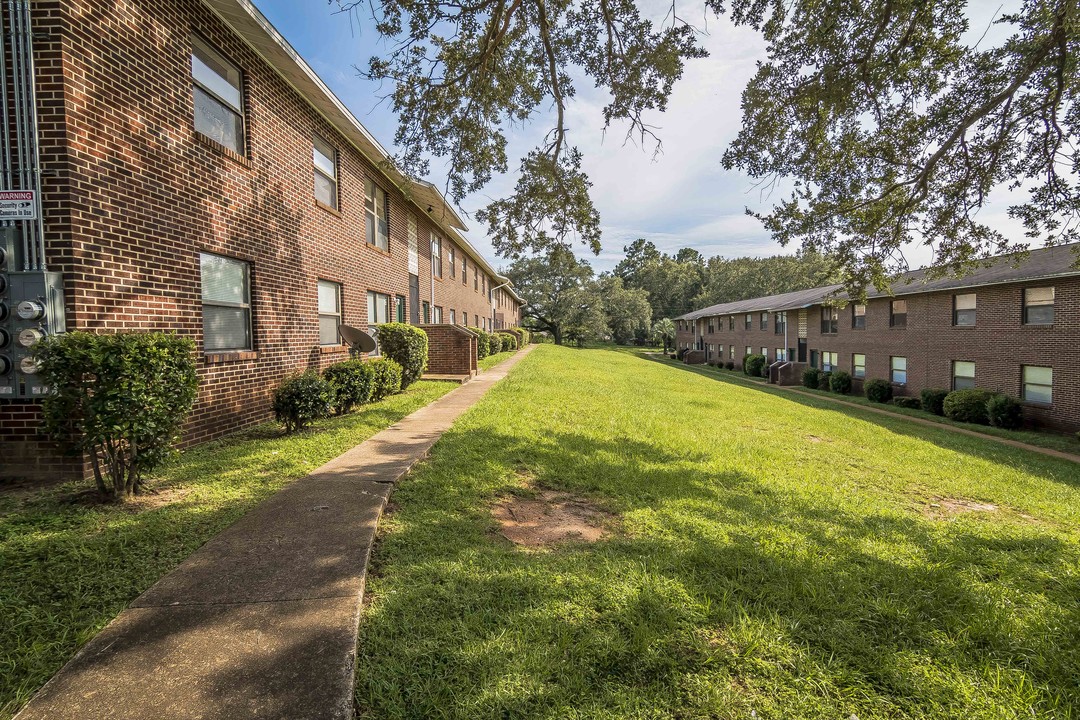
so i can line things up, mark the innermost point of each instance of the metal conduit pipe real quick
(5, 130)
(34, 152)
(16, 72)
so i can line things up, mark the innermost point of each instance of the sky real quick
(681, 197)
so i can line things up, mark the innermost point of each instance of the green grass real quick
(770, 556)
(70, 567)
(492, 360)
(1047, 439)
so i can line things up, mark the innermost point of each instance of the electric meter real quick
(30, 337)
(28, 366)
(30, 310)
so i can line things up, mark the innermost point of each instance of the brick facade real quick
(133, 195)
(452, 350)
(999, 343)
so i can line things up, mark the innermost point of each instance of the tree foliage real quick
(626, 309)
(555, 290)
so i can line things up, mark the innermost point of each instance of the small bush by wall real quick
(1004, 412)
(878, 390)
(907, 402)
(968, 406)
(810, 378)
(823, 380)
(753, 363)
(730, 365)
(407, 345)
(386, 378)
(301, 399)
(933, 400)
(121, 399)
(483, 343)
(351, 384)
(840, 382)
(509, 341)
(495, 344)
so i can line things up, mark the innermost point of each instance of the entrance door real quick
(414, 299)
(802, 350)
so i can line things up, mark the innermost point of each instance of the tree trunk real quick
(556, 333)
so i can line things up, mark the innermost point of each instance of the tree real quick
(663, 333)
(555, 290)
(891, 126)
(627, 311)
(672, 284)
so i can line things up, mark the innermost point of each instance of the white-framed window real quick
(399, 308)
(899, 369)
(1038, 384)
(781, 354)
(858, 317)
(436, 316)
(451, 261)
(453, 320)
(764, 321)
(378, 308)
(329, 312)
(765, 352)
(436, 255)
(830, 320)
(749, 351)
(1039, 306)
(748, 321)
(464, 269)
(898, 313)
(829, 361)
(963, 375)
(324, 159)
(218, 98)
(780, 323)
(377, 216)
(226, 303)
(858, 365)
(731, 353)
(963, 313)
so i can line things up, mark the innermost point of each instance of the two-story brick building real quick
(196, 175)
(1012, 327)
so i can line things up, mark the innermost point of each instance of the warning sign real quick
(17, 205)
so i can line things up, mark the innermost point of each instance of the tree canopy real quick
(891, 119)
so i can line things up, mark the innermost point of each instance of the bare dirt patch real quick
(548, 518)
(948, 507)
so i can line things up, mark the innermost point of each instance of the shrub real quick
(483, 344)
(495, 344)
(933, 400)
(300, 399)
(730, 364)
(823, 380)
(878, 390)
(526, 338)
(840, 382)
(810, 378)
(350, 384)
(1004, 412)
(680, 353)
(907, 402)
(386, 378)
(968, 405)
(406, 345)
(765, 369)
(121, 399)
(509, 341)
(752, 364)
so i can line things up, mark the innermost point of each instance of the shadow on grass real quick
(722, 594)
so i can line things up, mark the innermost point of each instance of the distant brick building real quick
(1013, 328)
(198, 176)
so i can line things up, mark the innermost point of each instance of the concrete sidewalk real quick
(260, 622)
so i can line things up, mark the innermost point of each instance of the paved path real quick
(261, 621)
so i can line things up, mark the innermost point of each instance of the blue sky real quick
(682, 197)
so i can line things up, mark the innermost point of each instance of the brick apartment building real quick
(196, 175)
(1010, 327)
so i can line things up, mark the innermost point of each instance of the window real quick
(765, 352)
(325, 160)
(425, 312)
(898, 314)
(475, 280)
(814, 358)
(329, 312)
(436, 316)
(764, 321)
(829, 361)
(476, 320)
(781, 354)
(858, 365)
(858, 317)
(731, 353)
(453, 320)
(399, 308)
(436, 255)
(450, 260)
(378, 308)
(780, 323)
(830, 320)
(731, 323)
(377, 216)
(963, 375)
(1038, 384)
(464, 270)
(749, 350)
(748, 321)
(899, 369)
(226, 303)
(219, 111)
(1039, 306)
(710, 328)
(963, 309)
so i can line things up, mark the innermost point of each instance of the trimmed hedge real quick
(509, 341)
(495, 344)
(840, 382)
(386, 378)
(407, 345)
(823, 380)
(968, 405)
(753, 363)
(120, 398)
(910, 403)
(1004, 412)
(933, 400)
(730, 365)
(351, 384)
(483, 343)
(810, 378)
(681, 353)
(301, 399)
(878, 390)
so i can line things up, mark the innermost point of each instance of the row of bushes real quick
(308, 396)
(982, 407)
(495, 343)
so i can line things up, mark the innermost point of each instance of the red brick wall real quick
(999, 344)
(451, 293)
(451, 350)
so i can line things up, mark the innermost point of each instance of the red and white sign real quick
(18, 205)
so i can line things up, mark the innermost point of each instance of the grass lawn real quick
(493, 360)
(69, 567)
(768, 558)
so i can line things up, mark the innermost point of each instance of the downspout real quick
(35, 147)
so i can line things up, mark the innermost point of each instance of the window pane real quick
(216, 74)
(225, 328)
(1039, 296)
(223, 280)
(965, 302)
(964, 369)
(1039, 315)
(216, 121)
(965, 317)
(1040, 375)
(328, 297)
(325, 190)
(899, 306)
(899, 363)
(323, 157)
(328, 330)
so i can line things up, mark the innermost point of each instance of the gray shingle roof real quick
(1043, 263)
